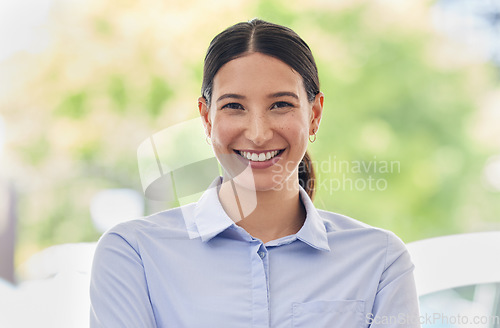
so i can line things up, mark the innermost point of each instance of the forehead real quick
(257, 73)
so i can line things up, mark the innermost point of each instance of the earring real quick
(314, 137)
(207, 140)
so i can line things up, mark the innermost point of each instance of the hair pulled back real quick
(273, 40)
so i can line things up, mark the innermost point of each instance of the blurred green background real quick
(112, 73)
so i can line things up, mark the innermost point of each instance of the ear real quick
(205, 116)
(317, 111)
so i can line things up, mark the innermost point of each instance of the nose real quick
(258, 129)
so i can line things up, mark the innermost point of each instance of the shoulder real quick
(341, 227)
(169, 224)
(335, 222)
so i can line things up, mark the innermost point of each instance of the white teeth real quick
(259, 157)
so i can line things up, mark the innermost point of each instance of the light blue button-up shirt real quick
(194, 267)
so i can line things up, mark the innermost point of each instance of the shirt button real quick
(262, 254)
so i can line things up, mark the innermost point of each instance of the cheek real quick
(296, 128)
(223, 132)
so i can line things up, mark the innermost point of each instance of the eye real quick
(233, 106)
(281, 104)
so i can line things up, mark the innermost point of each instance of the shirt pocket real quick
(328, 314)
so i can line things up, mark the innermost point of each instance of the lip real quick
(259, 151)
(263, 164)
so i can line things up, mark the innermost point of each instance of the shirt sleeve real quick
(396, 302)
(119, 294)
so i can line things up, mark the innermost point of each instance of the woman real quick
(254, 251)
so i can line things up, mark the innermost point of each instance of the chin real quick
(260, 182)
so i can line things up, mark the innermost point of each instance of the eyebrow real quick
(273, 95)
(230, 95)
(283, 94)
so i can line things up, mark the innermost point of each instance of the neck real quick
(266, 215)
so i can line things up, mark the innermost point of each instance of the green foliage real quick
(275, 11)
(103, 26)
(64, 220)
(73, 105)
(35, 152)
(88, 152)
(118, 92)
(159, 92)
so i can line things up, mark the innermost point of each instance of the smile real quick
(260, 156)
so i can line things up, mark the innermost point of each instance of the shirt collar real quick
(209, 216)
(211, 219)
(313, 232)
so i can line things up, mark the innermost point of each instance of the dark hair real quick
(273, 40)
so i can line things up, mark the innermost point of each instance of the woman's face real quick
(259, 121)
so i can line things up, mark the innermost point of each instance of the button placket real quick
(260, 286)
